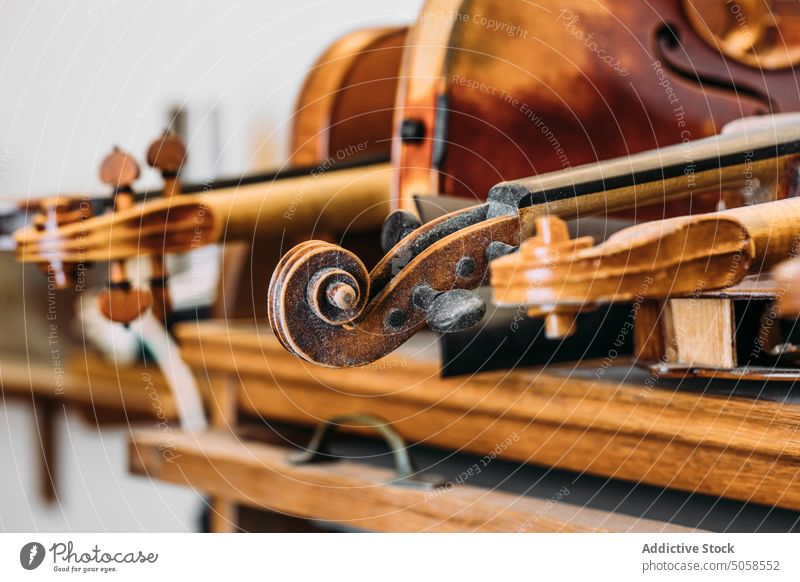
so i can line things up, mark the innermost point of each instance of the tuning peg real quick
(450, 311)
(551, 243)
(497, 249)
(119, 170)
(551, 234)
(166, 154)
(398, 225)
(120, 302)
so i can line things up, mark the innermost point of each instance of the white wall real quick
(77, 78)
(80, 77)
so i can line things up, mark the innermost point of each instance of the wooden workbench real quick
(697, 437)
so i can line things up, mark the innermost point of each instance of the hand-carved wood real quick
(672, 257)
(120, 301)
(354, 199)
(166, 154)
(430, 260)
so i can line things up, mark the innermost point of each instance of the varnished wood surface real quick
(422, 81)
(355, 494)
(613, 422)
(93, 385)
(352, 199)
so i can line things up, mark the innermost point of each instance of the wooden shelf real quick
(354, 494)
(92, 384)
(741, 448)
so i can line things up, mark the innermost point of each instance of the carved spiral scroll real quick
(320, 303)
(315, 281)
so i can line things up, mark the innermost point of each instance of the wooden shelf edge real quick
(259, 475)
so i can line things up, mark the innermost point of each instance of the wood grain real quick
(353, 199)
(134, 390)
(704, 332)
(652, 260)
(357, 495)
(582, 420)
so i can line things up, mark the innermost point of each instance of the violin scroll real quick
(326, 308)
(316, 284)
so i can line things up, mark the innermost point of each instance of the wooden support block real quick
(704, 332)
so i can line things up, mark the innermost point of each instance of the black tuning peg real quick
(497, 249)
(450, 311)
(398, 225)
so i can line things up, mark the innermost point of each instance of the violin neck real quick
(748, 162)
(321, 203)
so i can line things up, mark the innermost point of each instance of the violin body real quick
(345, 106)
(516, 89)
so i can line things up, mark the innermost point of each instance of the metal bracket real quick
(406, 473)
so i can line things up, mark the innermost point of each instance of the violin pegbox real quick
(512, 281)
(659, 259)
(120, 302)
